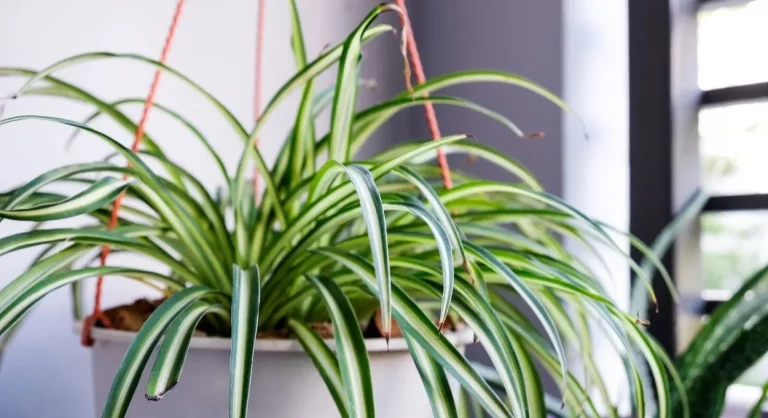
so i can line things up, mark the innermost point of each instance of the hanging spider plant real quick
(355, 236)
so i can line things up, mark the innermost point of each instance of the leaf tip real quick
(5, 100)
(161, 395)
(468, 270)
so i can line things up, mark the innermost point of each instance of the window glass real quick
(734, 245)
(734, 146)
(731, 45)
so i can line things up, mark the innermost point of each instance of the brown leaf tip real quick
(468, 270)
(440, 326)
(155, 398)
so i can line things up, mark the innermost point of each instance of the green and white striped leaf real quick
(173, 349)
(662, 243)
(128, 374)
(98, 195)
(15, 306)
(414, 322)
(121, 237)
(344, 100)
(303, 146)
(314, 211)
(528, 296)
(324, 360)
(439, 209)
(246, 299)
(367, 121)
(444, 247)
(435, 381)
(163, 202)
(373, 214)
(523, 390)
(31, 188)
(350, 348)
(472, 148)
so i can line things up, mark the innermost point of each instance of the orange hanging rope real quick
(429, 110)
(97, 314)
(261, 18)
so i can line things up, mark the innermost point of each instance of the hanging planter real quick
(331, 239)
(285, 381)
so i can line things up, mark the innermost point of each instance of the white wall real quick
(596, 169)
(45, 372)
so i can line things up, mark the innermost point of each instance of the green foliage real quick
(348, 235)
(734, 338)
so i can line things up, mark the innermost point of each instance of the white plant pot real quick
(285, 382)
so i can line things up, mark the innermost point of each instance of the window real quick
(733, 144)
(715, 140)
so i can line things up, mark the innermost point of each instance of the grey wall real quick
(523, 37)
(512, 35)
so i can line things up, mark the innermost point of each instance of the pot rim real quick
(460, 337)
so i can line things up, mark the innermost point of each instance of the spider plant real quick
(339, 239)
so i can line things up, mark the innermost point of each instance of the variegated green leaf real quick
(444, 247)
(173, 349)
(373, 213)
(100, 194)
(16, 304)
(324, 360)
(757, 410)
(417, 325)
(128, 374)
(333, 197)
(350, 348)
(435, 381)
(344, 100)
(246, 298)
(438, 208)
(528, 296)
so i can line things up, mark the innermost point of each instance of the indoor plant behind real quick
(339, 242)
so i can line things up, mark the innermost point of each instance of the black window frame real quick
(662, 120)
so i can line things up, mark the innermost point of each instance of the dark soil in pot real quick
(132, 316)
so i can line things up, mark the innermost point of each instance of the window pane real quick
(734, 146)
(734, 245)
(755, 376)
(731, 45)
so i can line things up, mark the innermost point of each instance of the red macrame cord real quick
(429, 111)
(97, 313)
(257, 81)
